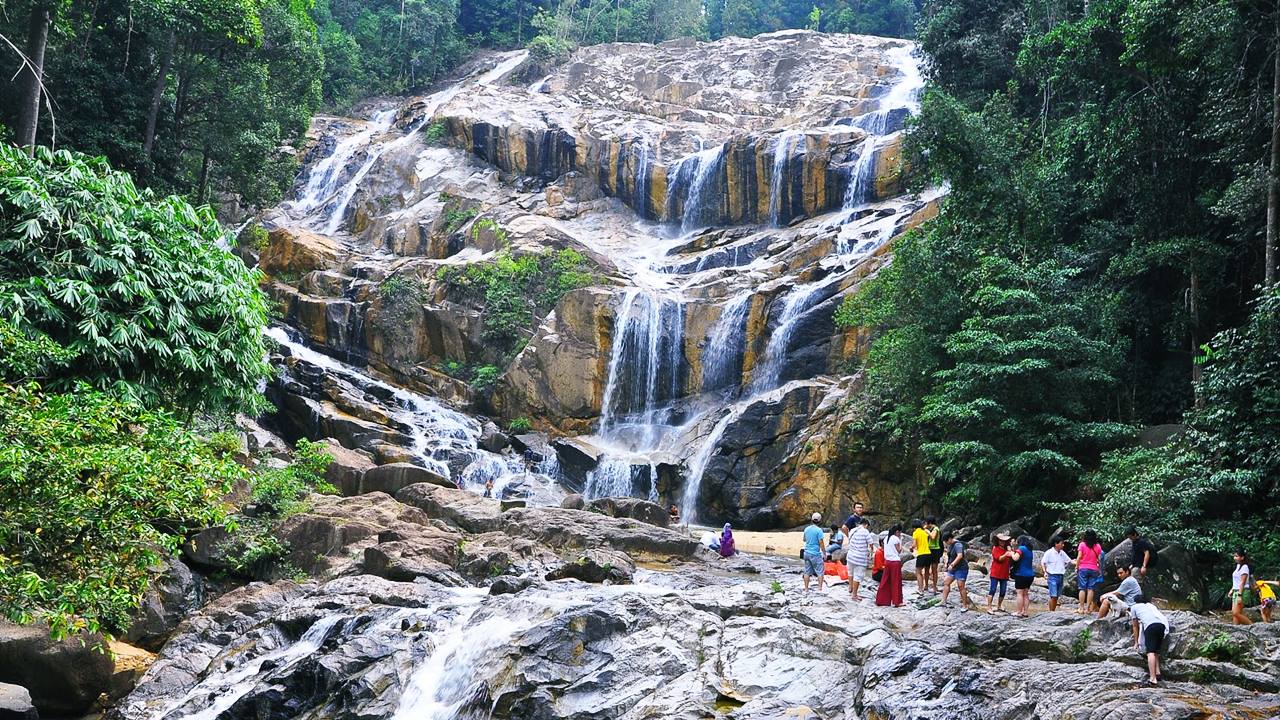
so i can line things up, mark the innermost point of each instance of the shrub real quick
(486, 376)
(278, 492)
(92, 490)
(456, 217)
(435, 133)
(546, 48)
(134, 286)
(520, 425)
(252, 237)
(515, 289)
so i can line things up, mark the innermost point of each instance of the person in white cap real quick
(815, 543)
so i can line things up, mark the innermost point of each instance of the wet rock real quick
(292, 252)
(634, 508)
(461, 509)
(394, 477)
(64, 677)
(558, 528)
(173, 594)
(15, 703)
(574, 501)
(497, 554)
(597, 566)
(209, 548)
(534, 446)
(348, 467)
(494, 440)
(577, 458)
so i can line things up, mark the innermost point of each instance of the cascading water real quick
(706, 165)
(433, 103)
(767, 372)
(722, 356)
(322, 182)
(862, 176)
(782, 149)
(646, 367)
(698, 464)
(642, 161)
(437, 433)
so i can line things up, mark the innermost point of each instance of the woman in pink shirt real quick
(1088, 571)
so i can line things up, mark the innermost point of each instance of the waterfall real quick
(323, 179)
(612, 478)
(640, 147)
(781, 154)
(706, 166)
(698, 465)
(436, 432)
(722, 357)
(433, 104)
(767, 372)
(646, 366)
(861, 176)
(218, 691)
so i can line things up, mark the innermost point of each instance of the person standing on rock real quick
(852, 522)
(1022, 568)
(920, 538)
(1055, 562)
(862, 547)
(815, 543)
(999, 572)
(1154, 627)
(935, 550)
(1240, 578)
(890, 590)
(1088, 571)
(957, 571)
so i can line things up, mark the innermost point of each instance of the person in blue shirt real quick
(815, 543)
(1023, 571)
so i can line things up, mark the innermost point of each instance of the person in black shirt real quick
(1144, 553)
(854, 520)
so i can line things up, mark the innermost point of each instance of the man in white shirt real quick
(1154, 628)
(1054, 564)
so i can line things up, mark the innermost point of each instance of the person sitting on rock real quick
(1154, 628)
(877, 563)
(674, 515)
(836, 545)
(726, 542)
(1122, 597)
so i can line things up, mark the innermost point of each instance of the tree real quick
(134, 285)
(92, 490)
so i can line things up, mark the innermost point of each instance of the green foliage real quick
(520, 425)
(252, 237)
(397, 289)
(486, 376)
(278, 492)
(436, 133)
(92, 490)
(776, 587)
(456, 217)
(515, 289)
(1212, 489)
(548, 49)
(1221, 647)
(1080, 644)
(132, 285)
(29, 358)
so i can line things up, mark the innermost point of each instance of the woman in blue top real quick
(1023, 571)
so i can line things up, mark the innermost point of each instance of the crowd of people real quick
(855, 552)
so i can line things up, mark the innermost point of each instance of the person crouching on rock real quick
(1122, 597)
(1154, 627)
(726, 542)
(814, 545)
(890, 590)
(957, 571)
(1266, 598)
(999, 572)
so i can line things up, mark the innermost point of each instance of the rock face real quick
(173, 594)
(15, 703)
(723, 200)
(64, 678)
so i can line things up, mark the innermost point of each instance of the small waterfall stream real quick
(782, 148)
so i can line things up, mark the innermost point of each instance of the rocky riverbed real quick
(437, 605)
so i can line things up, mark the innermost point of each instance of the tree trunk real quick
(1273, 185)
(33, 75)
(157, 94)
(204, 178)
(1193, 304)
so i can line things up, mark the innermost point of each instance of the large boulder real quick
(395, 477)
(1175, 578)
(464, 510)
(15, 703)
(628, 507)
(348, 467)
(597, 565)
(65, 677)
(559, 528)
(173, 594)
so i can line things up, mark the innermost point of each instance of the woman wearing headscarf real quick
(726, 542)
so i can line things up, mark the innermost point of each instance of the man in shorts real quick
(1055, 562)
(957, 571)
(924, 558)
(862, 548)
(815, 544)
